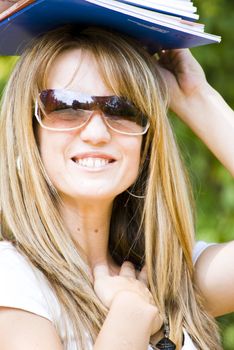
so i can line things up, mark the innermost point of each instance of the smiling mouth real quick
(93, 163)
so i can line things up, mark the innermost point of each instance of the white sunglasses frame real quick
(38, 117)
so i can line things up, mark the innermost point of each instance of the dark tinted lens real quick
(120, 107)
(120, 113)
(57, 99)
(53, 100)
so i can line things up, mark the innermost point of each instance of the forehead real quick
(77, 70)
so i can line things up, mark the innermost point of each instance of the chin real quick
(91, 195)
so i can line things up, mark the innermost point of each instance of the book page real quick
(177, 4)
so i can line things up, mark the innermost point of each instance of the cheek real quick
(51, 147)
(44, 144)
(134, 157)
(135, 167)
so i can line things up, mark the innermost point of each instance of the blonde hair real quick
(157, 230)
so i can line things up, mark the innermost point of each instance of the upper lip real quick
(106, 156)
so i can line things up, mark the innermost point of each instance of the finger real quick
(127, 270)
(143, 276)
(100, 270)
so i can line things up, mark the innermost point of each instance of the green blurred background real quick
(213, 185)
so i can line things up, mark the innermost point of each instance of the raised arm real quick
(199, 105)
(212, 120)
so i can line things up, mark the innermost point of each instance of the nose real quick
(95, 131)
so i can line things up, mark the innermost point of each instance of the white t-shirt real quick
(25, 287)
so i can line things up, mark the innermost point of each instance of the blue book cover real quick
(17, 30)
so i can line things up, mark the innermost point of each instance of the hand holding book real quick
(198, 105)
(184, 77)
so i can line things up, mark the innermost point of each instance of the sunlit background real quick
(213, 186)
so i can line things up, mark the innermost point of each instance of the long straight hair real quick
(157, 230)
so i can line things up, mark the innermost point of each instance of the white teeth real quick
(92, 162)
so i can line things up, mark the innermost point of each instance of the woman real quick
(95, 203)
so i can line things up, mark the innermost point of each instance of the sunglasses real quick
(64, 110)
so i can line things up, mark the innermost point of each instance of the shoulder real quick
(10, 257)
(214, 274)
(14, 267)
(24, 286)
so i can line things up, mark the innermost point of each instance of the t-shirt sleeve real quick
(199, 248)
(21, 286)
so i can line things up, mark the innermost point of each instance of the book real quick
(155, 25)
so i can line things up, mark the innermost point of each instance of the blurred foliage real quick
(213, 185)
(6, 65)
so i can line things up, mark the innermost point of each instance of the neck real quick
(89, 224)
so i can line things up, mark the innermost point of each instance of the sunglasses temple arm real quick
(36, 112)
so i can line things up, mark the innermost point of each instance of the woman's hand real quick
(128, 282)
(184, 77)
(198, 104)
